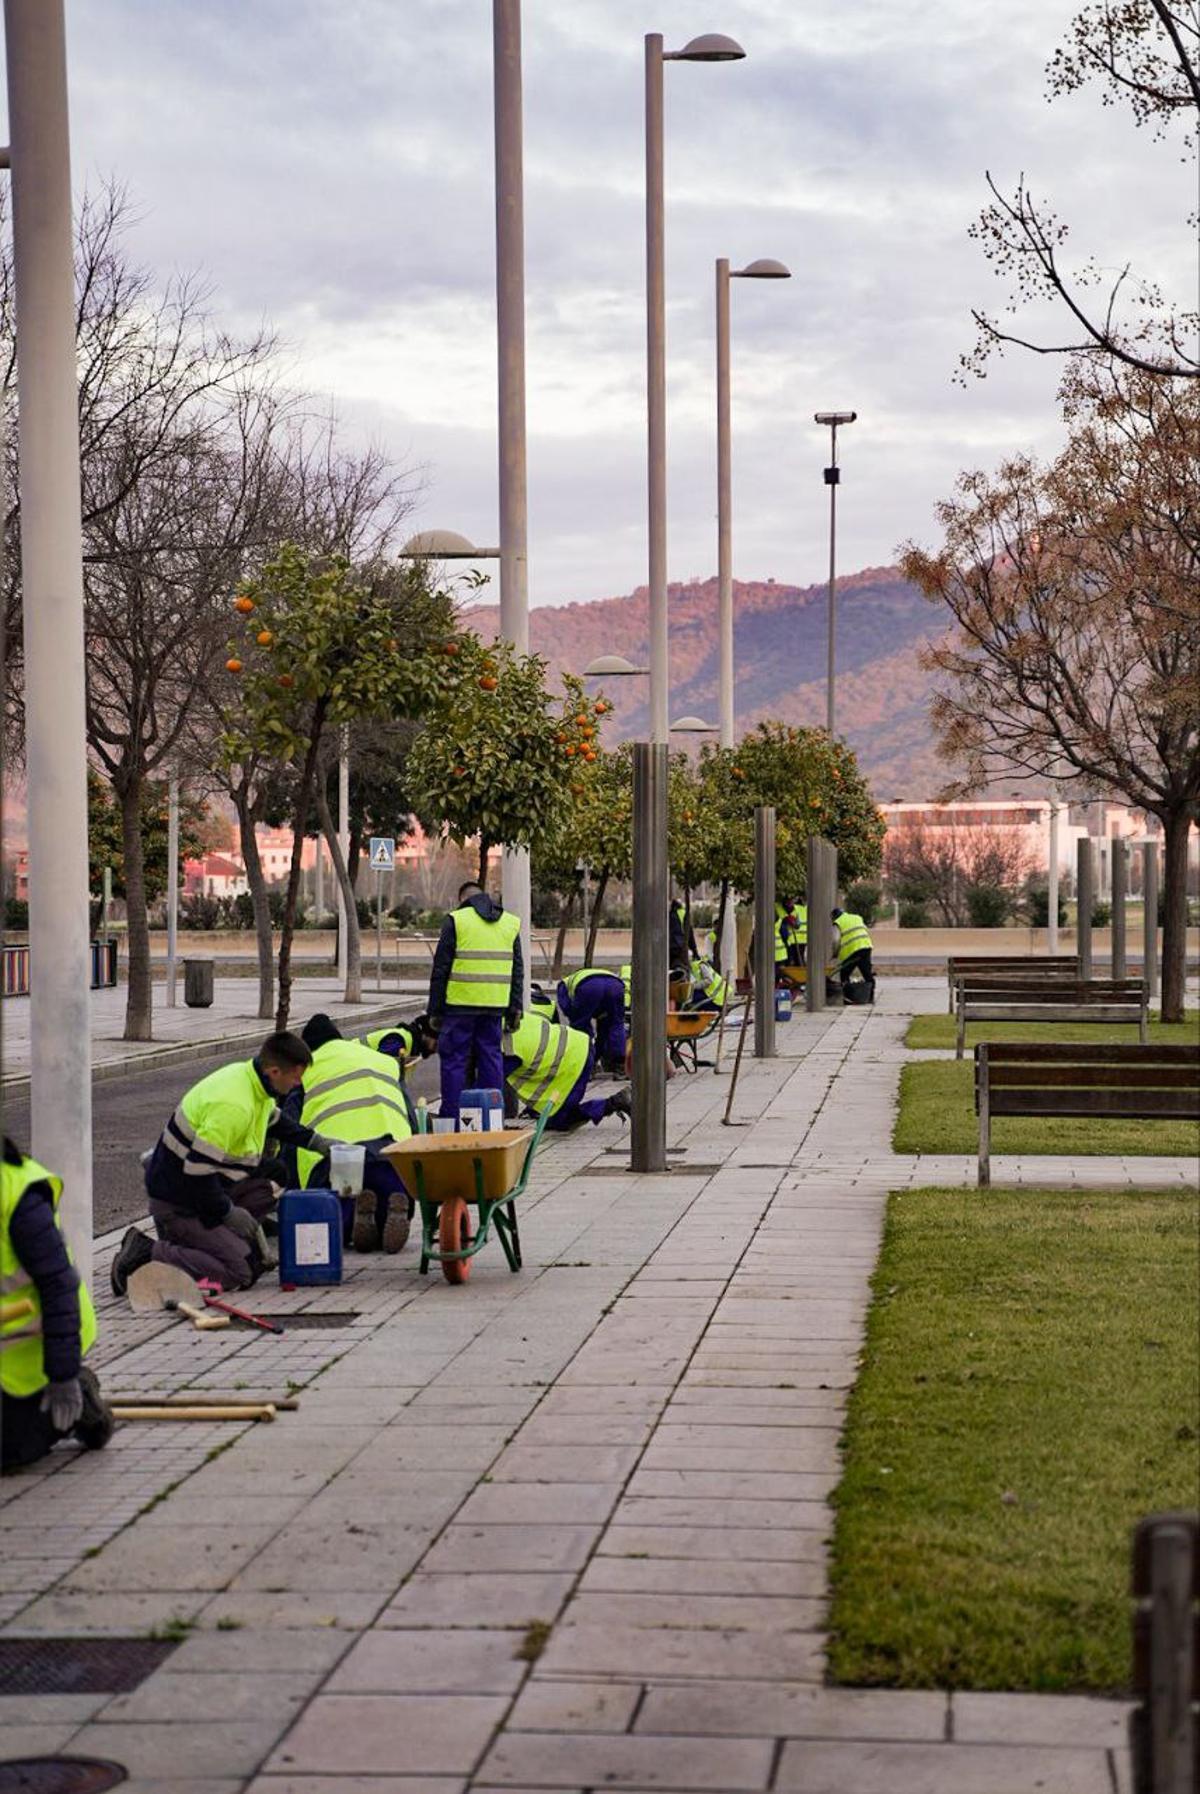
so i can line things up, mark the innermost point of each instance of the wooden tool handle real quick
(230, 1411)
(200, 1317)
(19, 1310)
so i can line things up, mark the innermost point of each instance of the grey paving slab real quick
(239, 1695)
(466, 1548)
(156, 1752)
(430, 1662)
(679, 1652)
(485, 1598)
(793, 1710)
(1039, 1719)
(703, 1576)
(540, 1760)
(558, 1706)
(357, 1784)
(743, 1613)
(373, 1734)
(810, 1767)
(529, 1503)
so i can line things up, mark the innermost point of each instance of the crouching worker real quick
(208, 1180)
(548, 1065)
(353, 1094)
(47, 1323)
(404, 1042)
(594, 1001)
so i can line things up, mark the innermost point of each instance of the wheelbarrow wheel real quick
(454, 1235)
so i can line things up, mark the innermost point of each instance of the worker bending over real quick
(681, 939)
(796, 935)
(47, 1323)
(594, 1001)
(404, 1042)
(353, 1093)
(208, 1179)
(548, 1065)
(853, 948)
(475, 991)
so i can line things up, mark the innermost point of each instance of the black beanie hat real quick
(318, 1031)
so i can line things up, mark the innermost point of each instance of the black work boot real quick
(134, 1251)
(365, 1237)
(398, 1224)
(97, 1424)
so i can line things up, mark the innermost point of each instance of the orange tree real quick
(317, 645)
(816, 788)
(591, 834)
(498, 754)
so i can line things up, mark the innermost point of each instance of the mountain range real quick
(882, 692)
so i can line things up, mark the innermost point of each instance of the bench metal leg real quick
(962, 1029)
(984, 1176)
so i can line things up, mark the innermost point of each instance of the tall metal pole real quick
(648, 1142)
(764, 931)
(52, 591)
(1120, 887)
(832, 476)
(656, 390)
(319, 895)
(1052, 883)
(510, 335)
(172, 885)
(1150, 917)
(725, 715)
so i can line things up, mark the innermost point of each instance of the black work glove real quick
(512, 1018)
(63, 1402)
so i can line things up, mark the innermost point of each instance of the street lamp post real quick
(510, 335)
(832, 478)
(52, 589)
(712, 47)
(763, 269)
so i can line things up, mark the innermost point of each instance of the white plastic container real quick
(346, 1166)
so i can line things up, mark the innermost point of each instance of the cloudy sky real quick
(329, 167)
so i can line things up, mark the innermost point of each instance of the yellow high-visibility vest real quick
(852, 935)
(552, 1057)
(481, 975)
(22, 1366)
(351, 1093)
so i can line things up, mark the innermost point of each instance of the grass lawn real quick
(937, 1114)
(939, 1031)
(1028, 1391)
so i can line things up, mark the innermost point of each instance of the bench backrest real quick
(1064, 963)
(1143, 1082)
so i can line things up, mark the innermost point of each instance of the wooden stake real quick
(199, 1411)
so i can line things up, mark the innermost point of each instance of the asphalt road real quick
(128, 1114)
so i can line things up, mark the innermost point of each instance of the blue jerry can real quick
(479, 1111)
(783, 1003)
(310, 1237)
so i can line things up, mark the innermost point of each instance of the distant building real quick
(214, 876)
(1028, 818)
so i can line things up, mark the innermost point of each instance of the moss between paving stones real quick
(941, 1031)
(1028, 1391)
(937, 1114)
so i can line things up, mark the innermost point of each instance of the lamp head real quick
(834, 417)
(692, 725)
(765, 268)
(611, 666)
(444, 545)
(711, 46)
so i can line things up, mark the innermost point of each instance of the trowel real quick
(154, 1286)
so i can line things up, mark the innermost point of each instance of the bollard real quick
(1150, 917)
(822, 892)
(1085, 896)
(648, 1131)
(764, 931)
(1163, 1734)
(1120, 887)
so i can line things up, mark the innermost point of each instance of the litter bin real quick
(198, 983)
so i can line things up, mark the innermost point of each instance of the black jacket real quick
(489, 911)
(42, 1251)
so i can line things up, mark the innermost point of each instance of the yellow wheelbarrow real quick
(448, 1175)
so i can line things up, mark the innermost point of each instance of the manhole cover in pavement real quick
(311, 1320)
(59, 1775)
(78, 1666)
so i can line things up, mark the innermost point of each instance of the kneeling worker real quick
(353, 1094)
(404, 1042)
(208, 1181)
(594, 1001)
(47, 1323)
(853, 948)
(548, 1066)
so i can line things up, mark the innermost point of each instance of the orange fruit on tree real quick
(244, 604)
(264, 638)
(451, 647)
(568, 750)
(393, 645)
(233, 665)
(286, 680)
(488, 683)
(582, 718)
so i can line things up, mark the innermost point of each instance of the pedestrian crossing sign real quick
(383, 853)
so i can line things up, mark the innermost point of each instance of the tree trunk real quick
(590, 945)
(138, 996)
(353, 989)
(299, 826)
(564, 922)
(262, 908)
(1174, 947)
(720, 930)
(355, 860)
(485, 847)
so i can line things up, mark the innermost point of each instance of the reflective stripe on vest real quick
(552, 1057)
(852, 935)
(221, 1124)
(780, 943)
(577, 978)
(351, 1093)
(22, 1367)
(800, 925)
(709, 980)
(481, 974)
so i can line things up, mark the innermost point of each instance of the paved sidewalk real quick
(183, 1033)
(565, 1530)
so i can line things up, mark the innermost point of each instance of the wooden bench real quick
(1058, 965)
(1142, 1083)
(983, 998)
(1164, 1728)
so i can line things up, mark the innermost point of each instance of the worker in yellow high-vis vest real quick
(47, 1323)
(853, 948)
(352, 1093)
(476, 990)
